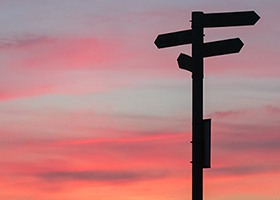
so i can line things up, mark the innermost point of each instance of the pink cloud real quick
(10, 92)
(34, 52)
(103, 153)
(233, 142)
(37, 166)
(126, 140)
(35, 65)
(102, 175)
(89, 161)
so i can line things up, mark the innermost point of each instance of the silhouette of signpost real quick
(201, 129)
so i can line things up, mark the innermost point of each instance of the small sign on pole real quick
(185, 62)
(207, 143)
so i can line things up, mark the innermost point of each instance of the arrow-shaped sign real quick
(222, 47)
(244, 18)
(185, 62)
(174, 39)
(211, 49)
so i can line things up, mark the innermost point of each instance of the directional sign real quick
(222, 47)
(230, 19)
(174, 39)
(185, 62)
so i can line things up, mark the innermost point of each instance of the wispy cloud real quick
(60, 53)
(100, 175)
(23, 41)
(241, 170)
(38, 64)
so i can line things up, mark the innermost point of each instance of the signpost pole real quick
(197, 106)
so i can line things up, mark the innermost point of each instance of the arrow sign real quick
(185, 62)
(174, 39)
(222, 47)
(245, 18)
(211, 49)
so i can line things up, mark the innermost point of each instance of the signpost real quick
(201, 128)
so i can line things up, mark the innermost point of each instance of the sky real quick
(91, 109)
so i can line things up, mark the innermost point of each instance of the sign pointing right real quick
(222, 47)
(244, 18)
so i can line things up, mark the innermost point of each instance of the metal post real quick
(197, 106)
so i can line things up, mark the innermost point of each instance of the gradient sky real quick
(91, 109)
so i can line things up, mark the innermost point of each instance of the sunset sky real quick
(90, 109)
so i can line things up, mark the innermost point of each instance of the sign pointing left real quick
(174, 39)
(185, 62)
